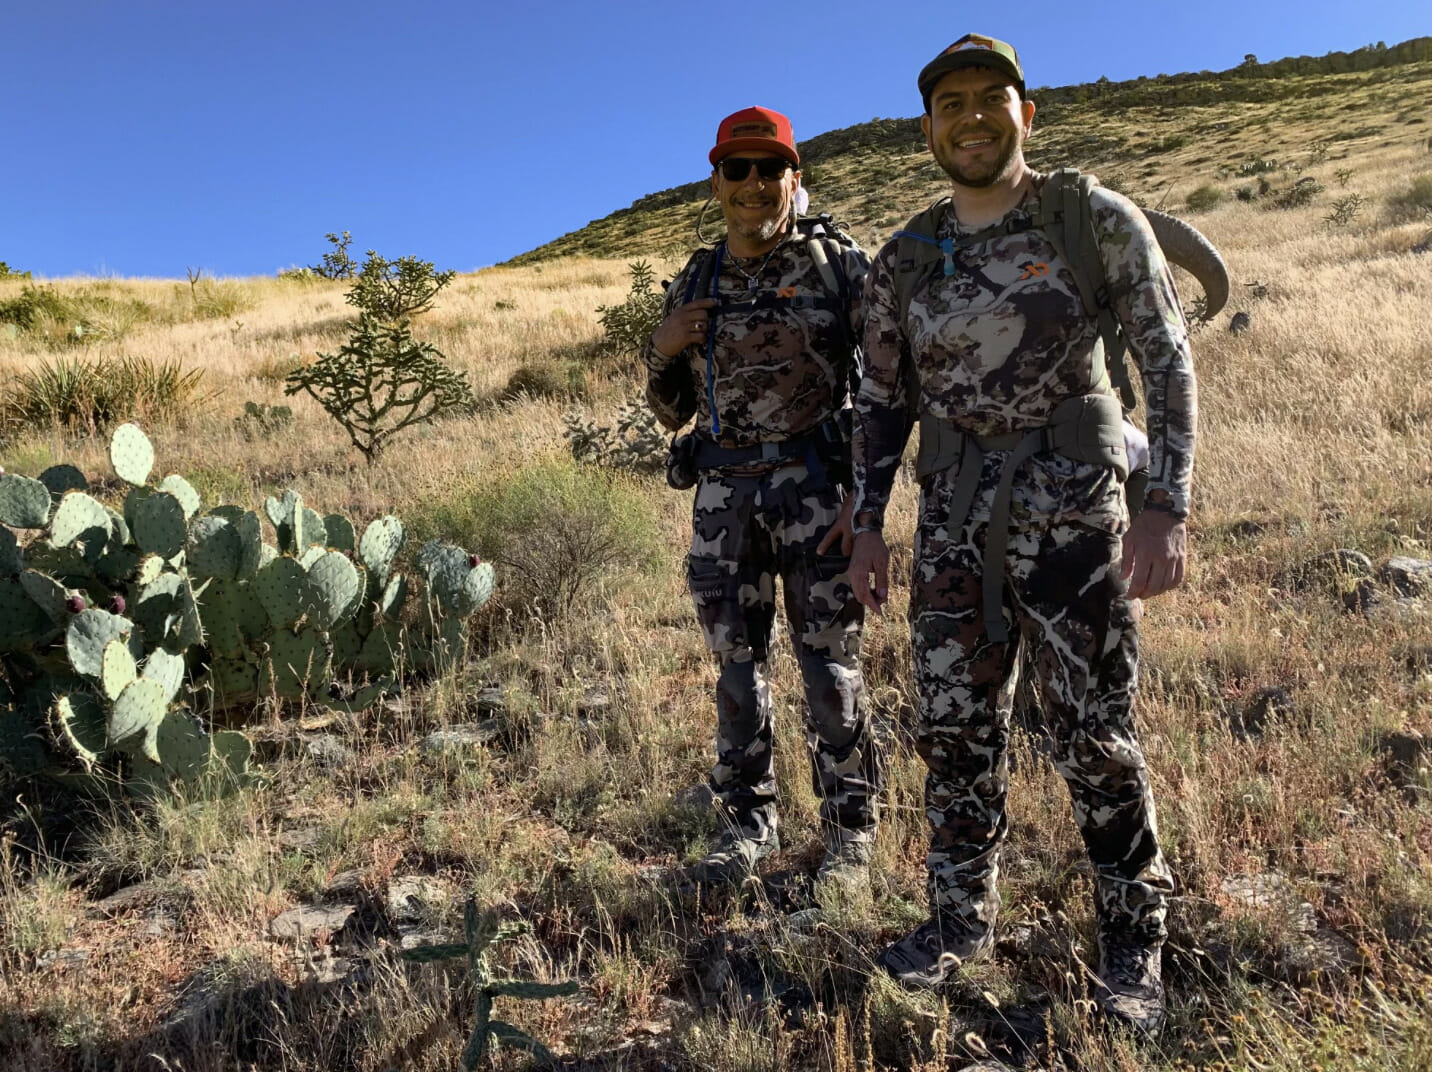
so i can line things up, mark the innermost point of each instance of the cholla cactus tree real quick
(383, 380)
(380, 382)
(631, 323)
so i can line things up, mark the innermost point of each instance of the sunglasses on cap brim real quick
(736, 168)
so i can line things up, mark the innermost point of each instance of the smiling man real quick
(976, 326)
(757, 342)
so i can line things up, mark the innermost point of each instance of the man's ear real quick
(1026, 109)
(925, 126)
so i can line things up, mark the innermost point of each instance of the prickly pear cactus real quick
(106, 609)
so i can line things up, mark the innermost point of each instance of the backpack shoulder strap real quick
(917, 250)
(1066, 216)
(699, 270)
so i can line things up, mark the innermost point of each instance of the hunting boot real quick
(846, 866)
(732, 859)
(933, 951)
(1130, 969)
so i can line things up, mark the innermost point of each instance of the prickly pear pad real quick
(160, 525)
(137, 714)
(214, 549)
(382, 540)
(24, 503)
(80, 719)
(88, 633)
(131, 454)
(117, 669)
(79, 518)
(280, 589)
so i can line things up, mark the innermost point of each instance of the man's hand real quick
(685, 327)
(1155, 550)
(841, 530)
(870, 557)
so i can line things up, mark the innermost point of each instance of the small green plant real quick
(1204, 198)
(1343, 175)
(481, 929)
(1317, 152)
(555, 529)
(381, 381)
(629, 325)
(6, 272)
(1345, 210)
(393, 290)
(336, 263)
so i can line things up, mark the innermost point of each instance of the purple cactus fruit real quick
(473, 560)
(116, 605)
(75, 604)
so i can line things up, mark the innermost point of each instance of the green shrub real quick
(88, 396)
(554, 529)
(218, 301)
(6, 272)
(1204, 198)
(67, 319)
(1414, 203)
(630, 324)
(546, 378)
(1300, 194)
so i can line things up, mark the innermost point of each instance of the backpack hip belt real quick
(811, 447)
(1086, 428)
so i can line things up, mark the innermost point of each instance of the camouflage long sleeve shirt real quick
(1004, 340)
(780, 360)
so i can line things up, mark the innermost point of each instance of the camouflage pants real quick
(1064, 599)
(746, 532)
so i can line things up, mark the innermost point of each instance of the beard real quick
(762, 231)
(978, 176)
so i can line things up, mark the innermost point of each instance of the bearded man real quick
(1023, 533)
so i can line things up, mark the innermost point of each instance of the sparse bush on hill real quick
(381, 381)
(554, 529)
(1204, 198)
(1345, 209)
(1302, 193)
(545, 378)
(336, 263)
(1415, 202)
(636, 442)
(6, 272)
(392, 290)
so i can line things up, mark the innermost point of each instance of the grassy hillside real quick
(1286, 712)
(1157, 140)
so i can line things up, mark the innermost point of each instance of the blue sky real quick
(142, 138)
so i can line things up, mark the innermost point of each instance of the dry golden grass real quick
(1316, 425)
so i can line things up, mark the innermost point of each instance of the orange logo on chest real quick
(1034, 270)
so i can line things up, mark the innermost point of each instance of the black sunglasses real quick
(736, 168)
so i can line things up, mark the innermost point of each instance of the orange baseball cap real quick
(758, 129)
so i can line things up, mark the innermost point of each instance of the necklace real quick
(753, 280)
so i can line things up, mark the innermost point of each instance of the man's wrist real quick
(868, 521)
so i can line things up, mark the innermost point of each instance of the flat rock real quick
(596, 700)
(63, 959)
(310, 919)
(1263, 890)
(413, 897)
(490, 700)
(1407, 576)
(417, 938)
(458, 739)
(328, 752)
(129, 898)
(1266, 706)
(301, 838)
(345, 884)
